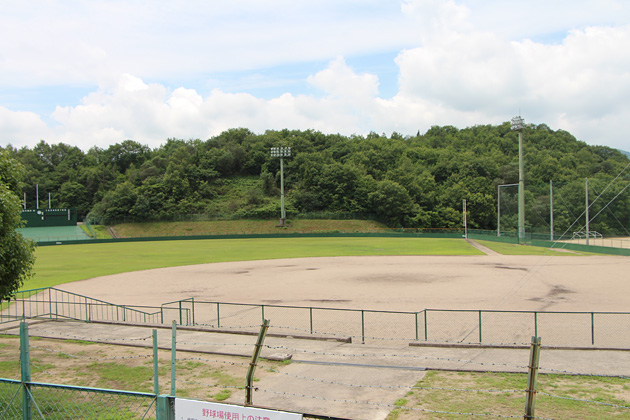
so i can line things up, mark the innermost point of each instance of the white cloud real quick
(460, 63)
(20, 128)
(464, 71)
(92, 42)
(339, 81)
(435, 18)
(150, 114)
(586, 76)
(580, 83)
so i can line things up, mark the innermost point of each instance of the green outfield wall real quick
(49, 217)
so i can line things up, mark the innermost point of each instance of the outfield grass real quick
(63, 264)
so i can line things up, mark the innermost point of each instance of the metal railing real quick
(52, 303)
(564, 329)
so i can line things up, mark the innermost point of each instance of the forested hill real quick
(407, 181)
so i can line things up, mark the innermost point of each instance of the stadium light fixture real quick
(518, 123)
(281, 152)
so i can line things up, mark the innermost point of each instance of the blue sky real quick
(95, 73)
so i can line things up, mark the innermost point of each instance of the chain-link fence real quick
(51, 402)
(25, 399)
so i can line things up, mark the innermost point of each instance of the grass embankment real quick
(443, 391)
(63, 264)
(238, 227)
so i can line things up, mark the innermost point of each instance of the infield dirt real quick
(396, 283)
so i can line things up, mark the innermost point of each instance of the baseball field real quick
(386, 274)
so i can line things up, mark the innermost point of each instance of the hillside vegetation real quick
(417, 181)
(239, 227)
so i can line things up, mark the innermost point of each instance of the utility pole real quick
(517, 125)
(551, 209)
(587, 216)
(465, 221)
(498, 211)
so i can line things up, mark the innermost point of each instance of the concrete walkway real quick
(481, 248)
(340, 379)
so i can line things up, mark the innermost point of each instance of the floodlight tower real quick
(281, 152)
(517, 125)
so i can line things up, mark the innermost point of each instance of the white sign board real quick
(201, 410)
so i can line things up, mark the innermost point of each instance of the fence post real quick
(173, 356)
(49, 305)
(156, 384)
(218, 317)
(311, 318)
(193, 310)
(532, 376)
(164, 408)
(25, 368)
(535, 324)
(180, 312)
(416, 326)
(592, 328)
(479, 326)
(252, 365)
(425, 326)
(362, 326)
(262, 311)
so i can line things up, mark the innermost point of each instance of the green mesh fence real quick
(48, 401)
(10, 399)
(65, 402)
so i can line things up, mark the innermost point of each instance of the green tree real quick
(392, 203)
(16, 253)
(73, 194)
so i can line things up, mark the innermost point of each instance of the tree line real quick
(405, 181)
(16, 253)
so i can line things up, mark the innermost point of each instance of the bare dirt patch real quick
(87, 364)
(410, 283)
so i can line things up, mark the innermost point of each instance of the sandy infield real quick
(396, 283)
